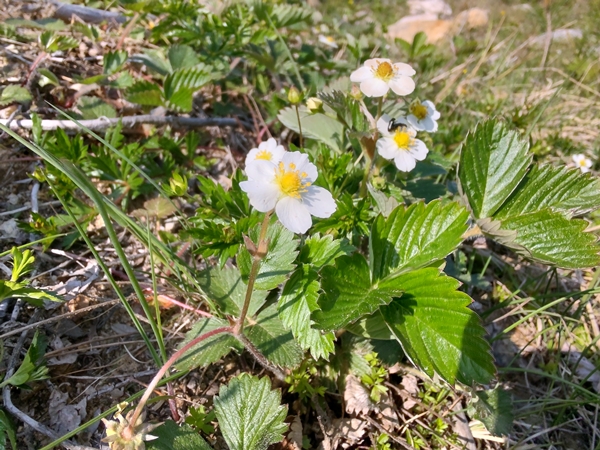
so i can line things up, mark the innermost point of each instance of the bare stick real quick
(103, 123)
(90, 15)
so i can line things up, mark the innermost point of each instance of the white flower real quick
(582, 162)
(378, 75)
(267, 150)
(423, 116)
(398, 142)
(328, 41)
(287, 187)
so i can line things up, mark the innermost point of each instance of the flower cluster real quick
(397, 137)
(283, 181)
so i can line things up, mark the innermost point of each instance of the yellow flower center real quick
(403, 139)
(582, 162)
(330, 39)
(290, 181)
(264, 154)
(418, 110)
(385, 71)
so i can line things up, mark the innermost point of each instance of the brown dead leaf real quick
(387, 414)
(347, 432)
(356, 397)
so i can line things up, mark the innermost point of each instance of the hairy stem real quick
(257, 255)
(299, 126)
(128, 432)
(371, 158)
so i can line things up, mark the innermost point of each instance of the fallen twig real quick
(65, 12)
(103, 123)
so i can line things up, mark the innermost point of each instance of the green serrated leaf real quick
(7, 429)
(273, 340)
(414, 237)
(299, 299)
(181, 84)
(494, 408)
(13, 93)
(155, 60)
(318, 126)
(210, 350)
(372, 327)
(113, 61)
(182, 57)
(249, 413)
(145, 93)
(558, 188)
(437, 330)
(94, 107)
(493, 161)
(322, 250)
(32, 368)
(176, 437)
(551, 238)
(227, 289)
(349, 293)
(275, 267)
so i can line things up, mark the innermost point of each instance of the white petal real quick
(382, 125)
(269, 145)
(578, 158)
(293, 215)
(319, 201)
(251, 156)
(374, 62)
(428, 124)
(415, 123)
(419, 150)
(361, 74)
(429, 105)
(584, 169)
(302, 163)
(374, 87)
(263, 196)
(402, 85)
(404, 69)
(405, 162)
(277, 153)
(261, 169)
(387, 148)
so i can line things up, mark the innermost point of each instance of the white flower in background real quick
(267, 151)
(328, 41)
(423, 116)
(377, 76)
(286, 186)
(398, 142)
(582, 162)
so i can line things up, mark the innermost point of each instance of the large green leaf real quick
(493, 161)
(298, 300)
(315, 126)
(494, 408)
(275, 267)
(320, 250)
(348, 293)
(437, 330)
(210, 350)
(176, 437)
(416, 236)
(182, 57)
(561, 189)
(227, 289)
(249, 413)
(273, 340)
(551, 238)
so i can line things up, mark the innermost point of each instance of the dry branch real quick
(127, 121)
(66, 12)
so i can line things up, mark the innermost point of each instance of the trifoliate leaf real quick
(437, 330)
(180, 85)
(226, 288)
(318, 126)
(372, 327)
(561, 189)
(494, 408)
(210, 350)
(275, 267)
(249, 413)
(273, 340)
(94, 107)
(14, 93)
(298, 300)
(415, 237)
(321, 250)
(182, 57)
(550, 238)
(145, 93)
(113, 61)
(493, 161)
(176, 437)
(349, 293)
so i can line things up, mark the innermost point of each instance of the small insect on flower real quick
(398, 143)
(582, 162)
(267, 150)
(377, 76)
(287, 187)
(423, 116)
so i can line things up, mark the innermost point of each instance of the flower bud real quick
(355, 93)
(314, 105)
(294, 96)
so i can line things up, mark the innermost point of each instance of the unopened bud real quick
(355, 93)
(294, 96)
(314, 105)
